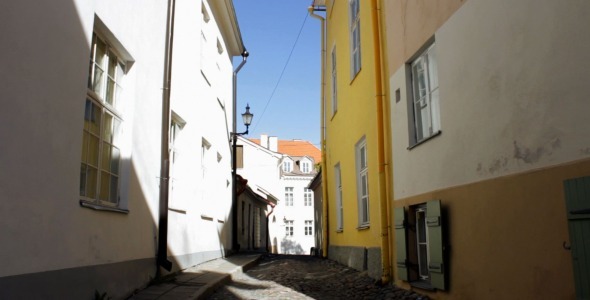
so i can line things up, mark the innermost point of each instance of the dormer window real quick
(287, 166)
(305, 166)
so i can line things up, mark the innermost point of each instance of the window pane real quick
(115, 160)
(97, 79)
(423, 261)
(92, 117)
(365, 210)
(106, 156)
(107, 133)
(111, 89)
(104, 186)
(85, 141)
(91, 177)
(363, 158)
(435, 111)
(93, 146)
(432, 69)
(83, 180)
(363, 185)
(114, 189)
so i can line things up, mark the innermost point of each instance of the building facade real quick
(355, 142)
(80, 179)
(488, 110)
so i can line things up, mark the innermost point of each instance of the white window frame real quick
(289, 224)
(354, 21)
(287, 165)
(425, 103)
(103, 122)
(289, 196)
(362, 177)
(339, 207)
(307, 197)
(334, 82)
(308, 227)
(305, 166)
(422, 243)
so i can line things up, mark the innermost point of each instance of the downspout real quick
(325, 223)
(380, 96)
(162, 259)
(234, 198)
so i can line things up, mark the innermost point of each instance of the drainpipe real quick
(162, 259)
(234, 196)
(325, 223)
(380, 96)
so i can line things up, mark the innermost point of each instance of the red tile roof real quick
(297, 148)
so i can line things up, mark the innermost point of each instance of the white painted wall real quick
(45, 59)
(513, 95)
(298, 213)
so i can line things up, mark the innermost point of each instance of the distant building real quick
(292, 225)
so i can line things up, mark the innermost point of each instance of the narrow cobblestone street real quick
(306, 277)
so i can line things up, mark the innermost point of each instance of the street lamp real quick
(247, 118)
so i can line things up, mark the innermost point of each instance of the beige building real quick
(489, 109)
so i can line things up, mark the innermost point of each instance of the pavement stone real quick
(306, 277)
(199, 281)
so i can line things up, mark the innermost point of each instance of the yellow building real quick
(489, 111)
(354, 164)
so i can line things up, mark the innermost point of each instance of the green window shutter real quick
(436, 265)
(577, 198)
(400, 243)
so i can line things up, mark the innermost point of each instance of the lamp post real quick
(247, 118)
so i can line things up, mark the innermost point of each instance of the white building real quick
(288, 176)
(80, 161)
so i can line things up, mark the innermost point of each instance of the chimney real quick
(264, 140)
(273, 143)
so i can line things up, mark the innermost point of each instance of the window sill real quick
(363, 227)
(425, 140)
(422, 284)
(99, 207)
(339, 230)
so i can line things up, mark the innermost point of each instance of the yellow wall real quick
(355, 118)
(505, 236)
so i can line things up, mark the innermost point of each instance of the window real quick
(362, 183)
(101, 154)
(239, 156)
(289, 227)
(334, 83)
(339, 208)
(287, 166)
(308, 224)
(419, 245)
(425, 100)
(307, 197)
(305, 167)
(355, 37)
(288, 196)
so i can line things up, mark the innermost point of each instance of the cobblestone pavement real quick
(306, 277)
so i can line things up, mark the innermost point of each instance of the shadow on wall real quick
(291, 247)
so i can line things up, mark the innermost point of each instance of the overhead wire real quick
(280, 76)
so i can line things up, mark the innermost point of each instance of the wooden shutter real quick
(400, 243)
(577, 199)
(436, 265)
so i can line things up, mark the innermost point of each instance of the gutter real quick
(379, 97)
(325, 223)
(162, 259)
(234, 200)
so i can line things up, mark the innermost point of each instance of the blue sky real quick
(269, 30)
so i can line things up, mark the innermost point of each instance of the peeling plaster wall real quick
(513, 94)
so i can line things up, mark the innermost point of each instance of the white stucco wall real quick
(299, 213)
(44, 77)
(513, 95)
